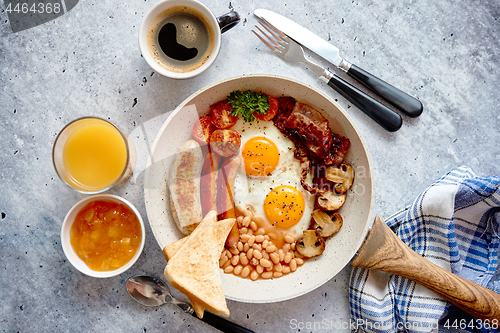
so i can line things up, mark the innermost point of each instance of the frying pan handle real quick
(384, 251)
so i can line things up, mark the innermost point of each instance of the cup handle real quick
(228, 20)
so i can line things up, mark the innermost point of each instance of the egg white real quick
(252, 190)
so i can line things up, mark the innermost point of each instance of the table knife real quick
(293, 53)
(406, 103)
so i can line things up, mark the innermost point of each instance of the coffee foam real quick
(193, 30)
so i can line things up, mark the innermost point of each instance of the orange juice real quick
(94, 155)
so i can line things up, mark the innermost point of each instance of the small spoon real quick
(151, 291)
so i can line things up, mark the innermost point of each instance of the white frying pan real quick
(382, 249)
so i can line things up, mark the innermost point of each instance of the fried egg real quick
(268, 183)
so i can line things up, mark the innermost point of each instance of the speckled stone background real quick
(87, 62)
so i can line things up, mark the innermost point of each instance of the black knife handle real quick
(408, 104)
(384, 116)
(222, 324)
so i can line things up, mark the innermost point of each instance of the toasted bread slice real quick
(194, 268)
(198, 308)
(170, 249)
(168, 252)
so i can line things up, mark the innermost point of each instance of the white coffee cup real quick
(181, 38)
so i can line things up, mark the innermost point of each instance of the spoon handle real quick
(223, 324)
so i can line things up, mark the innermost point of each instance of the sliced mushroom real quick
(330, 200)
(311, 244)
(343, 176)
(326, 224)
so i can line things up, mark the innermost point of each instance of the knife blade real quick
(406, 103)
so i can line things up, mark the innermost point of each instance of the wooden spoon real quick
(384, 251)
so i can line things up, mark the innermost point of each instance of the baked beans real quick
(257, 256)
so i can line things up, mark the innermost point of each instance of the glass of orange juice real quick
(91, 155)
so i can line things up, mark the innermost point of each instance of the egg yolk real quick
(284, 206)
(261, 156)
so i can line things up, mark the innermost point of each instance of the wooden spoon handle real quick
(384, 251)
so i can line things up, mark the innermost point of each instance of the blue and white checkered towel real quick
(454, 223)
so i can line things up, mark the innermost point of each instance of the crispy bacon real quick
(340, 146)
(316, 146)
(312, 129)
(285, 108)
(309, 130)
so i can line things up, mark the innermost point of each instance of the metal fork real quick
(292, 52)
(288, 49)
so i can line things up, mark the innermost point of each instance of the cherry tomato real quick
(273, 109)
(221, 114)
(203, 128)
(225, 142)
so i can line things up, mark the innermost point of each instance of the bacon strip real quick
(316, 146)
(312, 129)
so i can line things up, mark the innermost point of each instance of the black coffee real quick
(167, 39)
(181, 39)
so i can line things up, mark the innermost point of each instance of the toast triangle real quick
(194, 267)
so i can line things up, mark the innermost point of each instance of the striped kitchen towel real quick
(454, 223)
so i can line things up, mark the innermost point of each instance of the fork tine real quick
(269, 45)
(274, 39)
(275, 36)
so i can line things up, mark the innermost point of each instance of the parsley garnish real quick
(247, 102)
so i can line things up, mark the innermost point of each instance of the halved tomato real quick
(273, 110)
(221, 114)
(225, 142)
(202, 129)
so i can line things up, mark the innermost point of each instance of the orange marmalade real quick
(105, 235)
